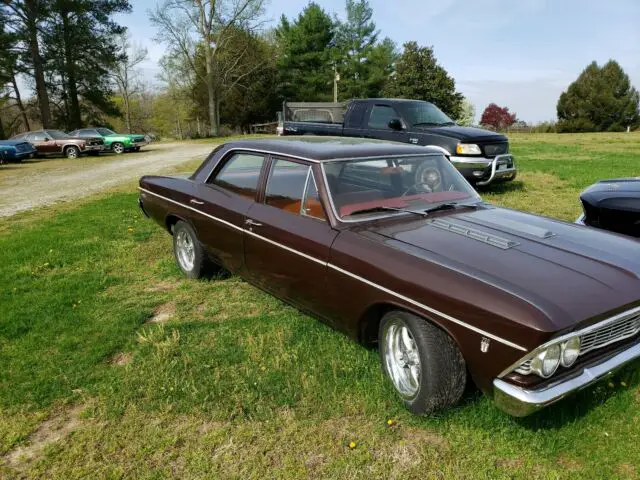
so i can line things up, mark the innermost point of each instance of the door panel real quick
(289, 275)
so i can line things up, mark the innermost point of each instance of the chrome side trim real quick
(352, 275)
(520, 402)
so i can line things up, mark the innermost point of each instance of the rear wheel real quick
(422, 361)
(117, 148)
(71, 152)
(189, 252)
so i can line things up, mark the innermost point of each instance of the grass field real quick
(113, 365)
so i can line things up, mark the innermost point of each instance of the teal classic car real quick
(114, 142)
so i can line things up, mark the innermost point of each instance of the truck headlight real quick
(468, 149)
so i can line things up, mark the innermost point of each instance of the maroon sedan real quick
(391, 245)
(56, 142)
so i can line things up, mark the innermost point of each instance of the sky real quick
(517, 53)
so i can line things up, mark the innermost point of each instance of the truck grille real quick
(493, 149)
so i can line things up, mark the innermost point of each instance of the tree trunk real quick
(23, 112)
(127, 111)
(2, 134)
(75, 116)
(211, 93)
(38, 69)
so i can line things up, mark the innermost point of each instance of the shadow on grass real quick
(504, 187)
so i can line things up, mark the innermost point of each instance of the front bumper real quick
(140, 144)
(520, 402)
(484, 171)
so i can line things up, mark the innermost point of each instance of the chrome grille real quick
(494, 149)
(614, 332)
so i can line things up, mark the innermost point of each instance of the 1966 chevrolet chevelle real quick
(391, 245)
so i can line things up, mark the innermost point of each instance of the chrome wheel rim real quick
(72, 153)
(402, 360)
(185, 250)
(118, 148)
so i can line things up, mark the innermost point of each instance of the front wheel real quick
(117, 148)
(71, 152)
(422, 361)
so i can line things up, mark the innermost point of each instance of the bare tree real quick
(126, 75)
(194, 27)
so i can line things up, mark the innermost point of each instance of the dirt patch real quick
(163, 313)
(627, 470)
(53, 429)
(121, 359)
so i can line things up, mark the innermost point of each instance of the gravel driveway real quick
(43, 182)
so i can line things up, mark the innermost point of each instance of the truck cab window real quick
(380, 116)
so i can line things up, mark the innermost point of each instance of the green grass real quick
(238, 385)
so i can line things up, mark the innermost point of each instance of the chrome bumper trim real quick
(482, 163)
(520, 402)
(580, 219)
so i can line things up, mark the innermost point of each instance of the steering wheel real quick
(413, 187)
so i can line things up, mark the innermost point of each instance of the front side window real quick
(285, 186)
(384, 186)
(312, 206)
(380, 116)
(105, 131)
(240, 174)
(37, 137)
(57, 134)
(426, 114)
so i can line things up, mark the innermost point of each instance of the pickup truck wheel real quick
(117, 148)
(422, 361)
(71, 152)
(189, 252)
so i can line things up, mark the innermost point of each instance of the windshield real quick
(105, 131)
(363, 188)
(57, 134)
(425, 113)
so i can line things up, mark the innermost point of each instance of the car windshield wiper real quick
(388, 209)
(450, 206)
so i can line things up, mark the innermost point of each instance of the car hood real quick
(569, 272)
(467, 134)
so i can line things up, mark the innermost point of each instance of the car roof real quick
(330, 148)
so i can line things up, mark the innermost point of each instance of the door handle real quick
(252, 223)
(196, 202)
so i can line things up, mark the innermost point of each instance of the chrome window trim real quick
(346, 272)
(577, 333)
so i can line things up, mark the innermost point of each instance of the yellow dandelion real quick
(390, 422)
(131, 229)
(353, 445)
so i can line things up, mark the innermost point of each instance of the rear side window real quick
(356, 115)
(37, 137)
(240, 174)
(380, 116)
(285, 187)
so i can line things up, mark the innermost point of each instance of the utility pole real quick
(336, 79)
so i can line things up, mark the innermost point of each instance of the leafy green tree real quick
(418, 76)
(305, 71)
(601, 99)
(355, 41)
(467, 113)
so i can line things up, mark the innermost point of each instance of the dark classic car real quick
(390, 244)
(56, 142)
(15, 151)
(613, 205)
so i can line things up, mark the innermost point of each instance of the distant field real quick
(140, 373)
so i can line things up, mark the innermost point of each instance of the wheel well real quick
(67, 147)
(370, 322)
(170, 222)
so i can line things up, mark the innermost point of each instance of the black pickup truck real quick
(480, 155)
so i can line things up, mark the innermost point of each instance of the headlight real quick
(546, 361)
(468, 149)
(570, 351)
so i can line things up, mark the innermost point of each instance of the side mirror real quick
(46, 139)
(395, 124)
